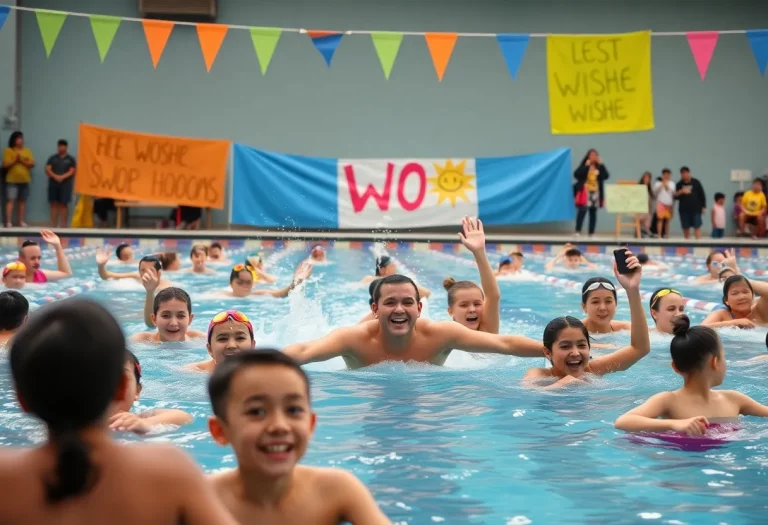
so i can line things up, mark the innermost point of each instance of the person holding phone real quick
(588, 189)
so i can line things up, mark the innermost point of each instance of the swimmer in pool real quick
(256, 262)
(261, 405)
(67, 367)
(124, 253)
(243, 276)
(171, 312)
(317, 254)
(650, 264)
(569, 257)
(599, 301)
(506, 267)
(762, 357)
(385, 266)
(121, 418)
(198, 255)
(475, 308)
(169, 261)
(14, 275)
(726, 272)
(229, 332)
(14, 309)
(397, 334)
(741, 309)
(716, 261)
(146, 263)
(666, 306)
(567, 346)
(698, 356)
(31, 256)
(216, 254)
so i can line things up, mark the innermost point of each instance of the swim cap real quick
(642, 258)
(11, 266)
(120, 247)
(229, 315)
(381, 262)
(505, 260)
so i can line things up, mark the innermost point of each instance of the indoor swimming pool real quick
(465, 443)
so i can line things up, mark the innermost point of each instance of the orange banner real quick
(152, 168)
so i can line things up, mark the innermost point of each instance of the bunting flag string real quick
(386, 43)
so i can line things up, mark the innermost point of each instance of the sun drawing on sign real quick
(451, 182)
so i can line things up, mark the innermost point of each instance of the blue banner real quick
(291, 191)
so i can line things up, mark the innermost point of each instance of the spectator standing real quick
(664, 190)
(588, 189)
(693, 203)
(646, 219)
(718, 216)
(17, 161)
(60, 169)
(753, 209)
(737, 210)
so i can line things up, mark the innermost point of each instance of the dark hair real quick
(67, 364)
(684, 168)
(504, 261)
(215, 245)
(452, 286)
(234, 275)
(14, 136)
(585, 293)
(381, 262)
(738, 195)
(691, 346)
(730, 281)
(63, 142)
(517, 254)
(666, 170)
(14, 308)
(169, 294)
(719, 196)
(153, 259)
(647, 184)
(642, 258)
(712, 255)
(198, 248)
(586, 156)
(557, 325)
(762, 183)
(131, 358)
(372, 289)
(167, 258)
(394, 279)
(120, 247)
(25, 244)
(572, 252)
(221, 379)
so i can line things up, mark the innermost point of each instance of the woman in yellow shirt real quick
(753, 209)
(17, 161)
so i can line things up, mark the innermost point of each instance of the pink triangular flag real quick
(702, 46)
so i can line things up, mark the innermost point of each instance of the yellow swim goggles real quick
(663, 293)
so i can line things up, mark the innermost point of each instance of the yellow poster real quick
(600, 83)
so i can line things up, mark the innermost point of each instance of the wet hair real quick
(67, 365)
(198, 248)
(14, 308)
(215, 245)
(692, 345)
(572, 252)
(131, 358)
(372, 289)
(235, 274)
(25, 244)
(719, 196)
(452, 286)
(152, 259)
(516, 254)
(730, 281)
(167, 259)
(712, 255)
(14, 136)
(394, 279)
(120, 248)
(62, 142)
(220, 383)
(557, 325)
(585, 293)
(169, 294)
(642, 258)
(381, 262)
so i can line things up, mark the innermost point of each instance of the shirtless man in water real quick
(397, 334)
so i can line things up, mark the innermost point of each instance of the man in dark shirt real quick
(693, 202)
(61, 170)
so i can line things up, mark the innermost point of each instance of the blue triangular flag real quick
(513, 49)
(4, 10)
(326, 42)
(759, 42)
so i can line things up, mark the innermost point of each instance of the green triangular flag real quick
(264, 42)
(50, 24)
(387, 45)
(104, 30)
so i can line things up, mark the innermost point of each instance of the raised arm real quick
(150, 281)
(62, 262)
(102, 257)
(264, 276)
(339, 342)
(300, 275)
(640, 341)
(473, 239)
(457, 336)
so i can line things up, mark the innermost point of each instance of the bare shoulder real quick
(328, 481)
(537, 373)
(435, 327)
(163, 462)
(143, 337)
(196, 334)
(222, 481)
(621, 325)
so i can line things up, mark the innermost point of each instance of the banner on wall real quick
(278, 190)
(600, 83)
(152, 168)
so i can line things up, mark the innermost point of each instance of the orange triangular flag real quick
(211, 37)
(157, 32)
(440, 47)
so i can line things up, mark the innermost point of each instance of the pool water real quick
(463, 443)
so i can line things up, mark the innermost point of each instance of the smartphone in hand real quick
(621, 261)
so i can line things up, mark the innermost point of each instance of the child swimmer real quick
(229, 332)
(172, 314)
(261, 406)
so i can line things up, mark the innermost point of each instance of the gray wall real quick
(301, 106)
